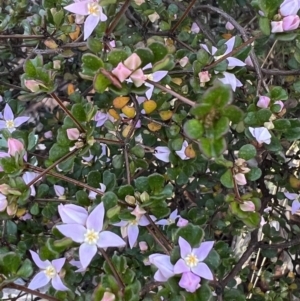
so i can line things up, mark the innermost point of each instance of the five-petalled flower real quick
(295, 198)
(49, 272)
(10, 122)
(191, 264)
(94, 12)
(88, 231)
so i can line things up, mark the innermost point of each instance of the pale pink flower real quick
(183, 62)
(247, 206)
(290, 22)
(289, 7)
(204, 77)
(261, 134)
(108, 296)
(182, 222)
(229, 26)
(263, 102)
(195, 28)
(276, 26)
(240, 179)
(162, 153)
(143, 246)
(164, 265)
(73, 134)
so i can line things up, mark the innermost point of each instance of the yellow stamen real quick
(191, 260)
(91, 237)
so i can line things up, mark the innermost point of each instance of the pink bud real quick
(277, 26)
(73, 134)
(279, 102)
(32, 85)
(121, 72)
(143, 246)
(108, 297)
(133, 62)
(229, 26)
(247, 206)
(290, 22)
(195, 28)
(263, 102)
(289, 7)
(26, 216)
(48, 135)
(240, 179)
(248, 61)
(3, 202)
(183, 62)
(204, 76)
(14, 146)
(182, 222)
(138, 77)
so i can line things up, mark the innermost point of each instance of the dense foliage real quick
(149, 149)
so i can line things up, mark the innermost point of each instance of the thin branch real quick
(29, 291)
(53, 95)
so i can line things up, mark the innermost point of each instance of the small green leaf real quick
(116, 56)
(212, 148)
(109, 180)
(159, 50)
(109, 200)
(193, 128)
(145, 54)
(57, 152)
(101, 82)
(29, 68)
(254, 174)
(26, 269)
(278, 93)
(94, 179)
(218, 96)
(156, 182)
(221, 127)
(82, 198)
(142, 184)
(92, 62)
(264, 115)
(94, 44)
(125, 190)
(234, 113)
(193, 234)
(118, 161)
(79, 112)
(227, 180)
(167, 63)
(247, 152)
(138, 150)
(264, 25)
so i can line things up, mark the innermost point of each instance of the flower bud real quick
(290, 22)
(14, 146)
(263, 102)
(4, 189)
(121, 72)
(129, 199)
(240, 179)
(204, 77)
(48, 135)
(73, 134)
(247, 206)
(108, 297)
(143, 246)
(229, 26)
(277, 26)
(182, 222)
(144, 197)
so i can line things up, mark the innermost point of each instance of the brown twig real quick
(62, 106)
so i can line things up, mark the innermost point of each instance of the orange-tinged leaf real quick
(71, 89)
(129, 111)
(166, 115)
(226, 36)
(71, 18)
(114, 114)
(50, 43)
(149, 106)
(75, 34)
(190, 152)
(154, 127)
(20, 212)
(120, 102)
(126, 130)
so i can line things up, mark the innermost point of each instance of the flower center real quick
(50, 271)
(10, 124)
(191, 260)
(91, 237)
(133, 222)
(170, 221)
(93, 9)
(149, 76)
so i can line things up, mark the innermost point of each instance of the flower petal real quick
(203, 250)
(80, 8)
(86, 254)
(133, 233)
(162, 222)
(230, 45)
(2, 124)
(95, 219)
(295, 207)
(158, 75)
(58, 263)
(110, 239)
(103, 16)
(74, 231)
(203, 271)
(185, 248)
(190, 282)
(37, 260)
(57, 284)
(72, 214)
(291, 196)
(181, 267)
(20, 120)
(144, 220)
(164, 265)
(233, 62)
(39, 280)
(90, 24)
(149, 92)
(8, 113)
